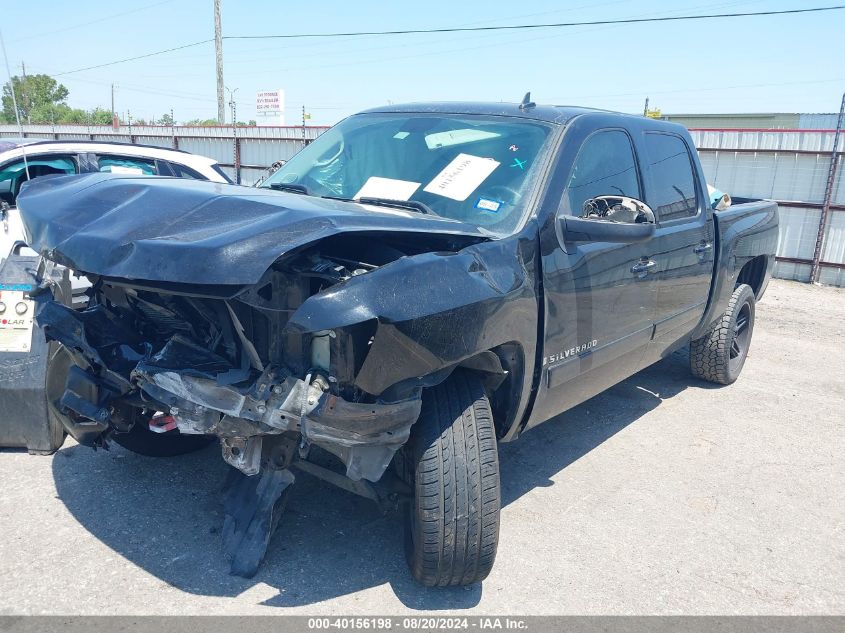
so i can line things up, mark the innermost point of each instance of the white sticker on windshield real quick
(389, 188)
(462, 176)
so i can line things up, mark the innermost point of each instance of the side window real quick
(126, 165)
(185, 172)
(15, 173)
(605, 166)
(672, 195)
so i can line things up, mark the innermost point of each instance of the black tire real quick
(452, 524)
(144, 442)
(719, 355)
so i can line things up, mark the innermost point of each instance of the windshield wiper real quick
(410, 205)
(289, 187)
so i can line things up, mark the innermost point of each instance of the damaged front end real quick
(225, 361)
(275, 323)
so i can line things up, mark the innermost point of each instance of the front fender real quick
(432, 310)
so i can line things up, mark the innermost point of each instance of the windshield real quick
(478, 169)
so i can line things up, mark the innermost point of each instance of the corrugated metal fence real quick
(790, 166)
(244, 153)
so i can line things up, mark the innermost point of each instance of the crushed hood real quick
(192, 232)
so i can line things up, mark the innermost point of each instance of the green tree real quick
(74, 115)
(54, 113)
(99, 116)
(33, 93)
(201, 122)
(166, 119)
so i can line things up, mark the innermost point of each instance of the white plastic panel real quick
(838, 196)
(834, 242)
(799, 228)
(795, 272)
(779, 176)
(830, 276)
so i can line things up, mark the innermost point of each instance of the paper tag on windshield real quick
(461, 177)
(389, 188)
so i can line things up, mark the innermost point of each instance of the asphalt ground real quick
(664, 495)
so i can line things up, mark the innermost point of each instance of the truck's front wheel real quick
(452, 527)
(719, 355)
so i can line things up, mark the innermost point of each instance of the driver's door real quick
(599, 296)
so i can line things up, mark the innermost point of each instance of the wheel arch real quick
(502, 369)
(753, 273)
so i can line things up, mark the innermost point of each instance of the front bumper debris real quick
(205, 394)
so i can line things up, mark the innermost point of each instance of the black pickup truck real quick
(418, 284)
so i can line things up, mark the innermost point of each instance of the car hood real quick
(192, 232)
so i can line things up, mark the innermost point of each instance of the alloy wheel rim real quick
(742, 332)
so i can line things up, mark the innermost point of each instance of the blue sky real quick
(757, 64)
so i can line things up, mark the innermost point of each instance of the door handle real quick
(641, 268)
(702, 248)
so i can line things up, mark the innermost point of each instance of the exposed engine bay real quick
(232, 366)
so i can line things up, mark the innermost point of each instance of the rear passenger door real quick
(683, 244)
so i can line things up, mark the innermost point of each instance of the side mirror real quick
(609, 219)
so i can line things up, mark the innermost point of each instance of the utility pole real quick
(236, 146)
(232, 104)
(173, 131)
(304, 143)
(26, 93)
(112, 102)
(218, 50)
(645, 108)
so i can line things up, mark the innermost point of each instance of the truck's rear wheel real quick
(145, 442)
(719, 355)
(452, 526)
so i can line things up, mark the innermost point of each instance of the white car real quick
(45, 157)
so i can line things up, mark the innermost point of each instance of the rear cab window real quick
(16, 172)
(673, 192)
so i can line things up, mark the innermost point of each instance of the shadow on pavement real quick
(165, 515)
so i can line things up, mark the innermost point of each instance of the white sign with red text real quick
(270, 107)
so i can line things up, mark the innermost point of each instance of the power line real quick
(132, 59)
(512, 27)
(97, 21)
